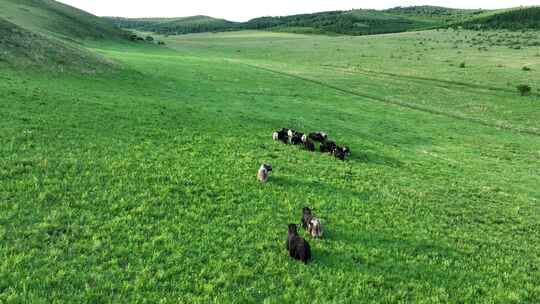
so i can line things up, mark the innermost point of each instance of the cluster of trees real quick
(128, 23)
(176, 26)
(338, 22)
(149, 39)
(519, 19)
(187, 28)
(355, 22)
(434, 11)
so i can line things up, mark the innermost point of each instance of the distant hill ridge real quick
(182, 25)
(511, 19)
(353, 22)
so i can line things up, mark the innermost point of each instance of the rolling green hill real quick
(354, 22)
(48, 35)
(364, 22)
(53, 18)
(435, 15)
(512, 19)
(23, 48)
(358, 22)
(174, 26)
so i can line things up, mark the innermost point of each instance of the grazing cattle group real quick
(308, 141)
(297, 246)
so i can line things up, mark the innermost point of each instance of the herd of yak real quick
(293, 137)
(296, 245)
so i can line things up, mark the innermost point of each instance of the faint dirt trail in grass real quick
(447, 84)
(398, 103)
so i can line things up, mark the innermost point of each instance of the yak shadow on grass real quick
(374, 158)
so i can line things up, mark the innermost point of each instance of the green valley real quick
(128, 175)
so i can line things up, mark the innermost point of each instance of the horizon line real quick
(315, 12)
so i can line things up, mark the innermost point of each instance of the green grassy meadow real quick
(137, 184)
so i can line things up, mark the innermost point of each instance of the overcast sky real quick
(242, 10)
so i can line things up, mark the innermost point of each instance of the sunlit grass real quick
(139, 185)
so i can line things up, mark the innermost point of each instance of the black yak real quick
(281, 135)
(346, 150)
(297, 246)
(328, 146)
(296, 139)
(318, 136)
(338, 153)
(341, 152)
(291, 132)
(309, 145)
(306, 217)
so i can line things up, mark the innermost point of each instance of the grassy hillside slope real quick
(46, 34)
(139, 186)
(23, 48)
(54, 18)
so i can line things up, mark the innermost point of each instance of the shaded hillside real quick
(22, 48)
(362, 22)
(354, 22)
(514, 19)
(365, 22)
(47, 35)
(53, 18)
(175, 26)
(359, 22)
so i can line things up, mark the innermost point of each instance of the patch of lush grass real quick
(139, 185)
(411, 69)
